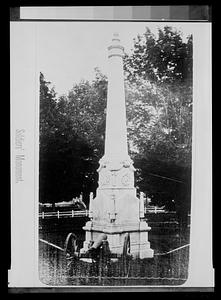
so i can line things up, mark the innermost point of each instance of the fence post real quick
(155, 209)
(43, 215)
(141, 204)
(72, 213)
(58, 214)
(90, 213)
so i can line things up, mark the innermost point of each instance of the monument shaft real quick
(116, 131)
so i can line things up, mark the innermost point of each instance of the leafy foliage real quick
(164, 59)
(159, 110)
(160, 120)
(71, 139)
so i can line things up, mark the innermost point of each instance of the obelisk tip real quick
(116, 36)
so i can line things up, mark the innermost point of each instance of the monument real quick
(116, 210)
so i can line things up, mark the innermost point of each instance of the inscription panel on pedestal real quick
(126, 179)
(121, 179)
(104, 178)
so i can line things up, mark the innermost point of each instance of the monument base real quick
(139, 244)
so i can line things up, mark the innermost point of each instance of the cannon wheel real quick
(70, 250)
(70, 245)
(125, 255)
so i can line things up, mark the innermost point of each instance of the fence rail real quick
(85, 213)
(64, 214)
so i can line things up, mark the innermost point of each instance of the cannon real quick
(98, 253)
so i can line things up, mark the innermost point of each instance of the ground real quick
(163, 269)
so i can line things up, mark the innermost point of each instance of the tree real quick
(166, 58)
(86, 106)
(159, 110)
(47, 129)
(48, 112)
(71, 139)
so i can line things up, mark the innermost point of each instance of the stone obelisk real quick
(116, 210)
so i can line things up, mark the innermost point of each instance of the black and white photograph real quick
(114, 135)
(115, 154)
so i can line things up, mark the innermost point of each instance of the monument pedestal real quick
(139, 244)
(116, 211)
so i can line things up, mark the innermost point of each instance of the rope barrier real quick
(171, 251)
(156, 254)
(50, 244)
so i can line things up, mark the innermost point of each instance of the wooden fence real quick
(85, 213)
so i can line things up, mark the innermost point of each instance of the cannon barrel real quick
(99, 240)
